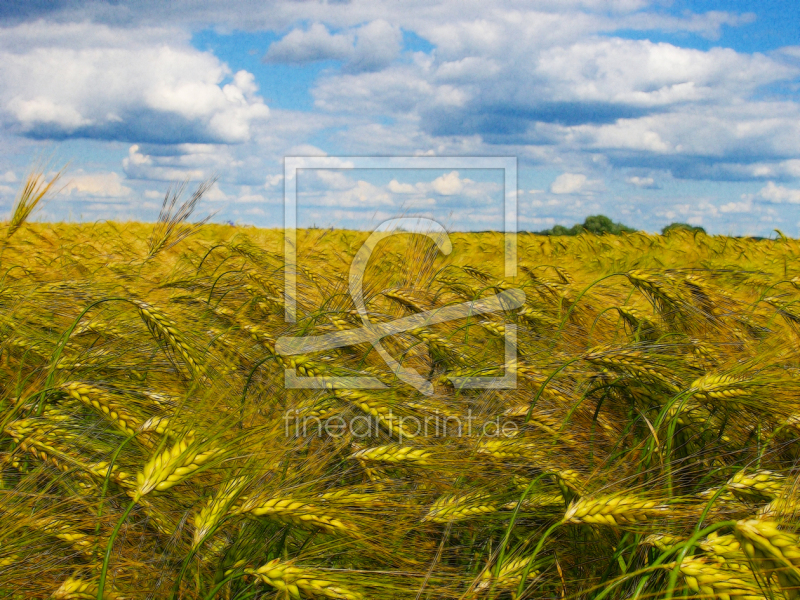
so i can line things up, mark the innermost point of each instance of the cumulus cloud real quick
(377, 44)
(87, 80)
(545, 89)
(568, 183)
(449, 184)
(643, 73)
(362, 194)
(341, 188)
(745, 206)
(98, 185)
(315, 43)
(273, 180)
(302, 159)
(645, 183)
(366, 48)
(401, 188)
(778, 194)
(215, 194)
(707, 24)
(138, 165)
(8, 177)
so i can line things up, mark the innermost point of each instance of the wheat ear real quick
(215, 510)
(172, 466)
(101, 401)
(395, 453)
(509, 577)
(80, 589)
(458, 508)
(284, 576)
(708, 579)
(759, 484)
(294, 511)
(771, 549)
(164, 328)
(613, 510)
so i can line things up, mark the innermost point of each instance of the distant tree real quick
(681, 227)
(600, 224)
(597, 224)
(559, 230)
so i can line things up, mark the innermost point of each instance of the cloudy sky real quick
(647, 111)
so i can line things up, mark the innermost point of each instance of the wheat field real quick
(151, 449)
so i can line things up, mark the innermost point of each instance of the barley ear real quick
(172, 466)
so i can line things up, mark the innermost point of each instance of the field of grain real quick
(150, 448)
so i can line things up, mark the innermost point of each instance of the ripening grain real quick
(145, 422)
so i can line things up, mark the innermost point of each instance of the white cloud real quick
(333, 187)
(449, 184)
(144, 166)
(647, 183)
(251, 199)
(363, 194)
(548, 203)
(707, 24)
(215, 194)
(8, 177)
(331, 179)
(145, 85)
(568, 183)
(305, 150)
(315, 43)
(272, 181)
(643, 73)
(545, 85)
(777, 194)
(745, 206)
(377, 44)
(99, 185)
(365, 48)
(401, 188)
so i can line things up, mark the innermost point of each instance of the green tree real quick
(597, 224)
(681, 227)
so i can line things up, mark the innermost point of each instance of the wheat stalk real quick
(171, 227)
(32, 193)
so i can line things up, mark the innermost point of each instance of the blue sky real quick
(647, 111)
